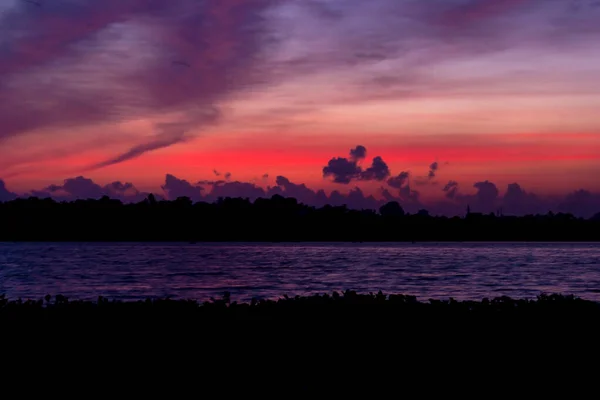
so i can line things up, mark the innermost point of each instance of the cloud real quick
(402, 183)
(235, 189)
(580, 202)
(378, 171)
(81, 188)
(5, 194)
(175, 187)
(515, 201)
(345, 170)
(169, 134)
(298, 191)
(486, 196)
(342, 170)
(390, 49)
(72, 64)
(358, 153)
(451, 189)
(433, 169)
(77, 63)
(399, 181)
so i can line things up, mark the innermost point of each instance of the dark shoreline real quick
(306, 344)
(373, 319)
(311, 304)
(277, 219)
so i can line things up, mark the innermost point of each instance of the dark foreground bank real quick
(303, 345)
(343, 315)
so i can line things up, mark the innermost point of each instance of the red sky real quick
(503, 91)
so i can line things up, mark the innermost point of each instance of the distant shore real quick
(277, 219)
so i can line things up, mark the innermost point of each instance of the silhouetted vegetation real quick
(275, 219)
(341, 341)
(346, 307)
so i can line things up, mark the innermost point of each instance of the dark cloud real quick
(81, 188)
(175, 187)
(5, 194)
(342, 170)
(580, 202)
(408, 194)
(433, 169)
(118, 189)
(298, 191)
(358, 153)
(515, 201)
(402, 183)
(418, 180)
(451, 189)
(208, 182)
(227, 176)
(235, 189)
(400, 180)
(345, 170)
(486, 197)
(378, 171)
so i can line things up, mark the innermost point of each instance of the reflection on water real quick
(199, 271)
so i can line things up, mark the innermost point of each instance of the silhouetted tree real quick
(392, 208)
(274, 219)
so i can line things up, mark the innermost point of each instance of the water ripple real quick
(201, 271)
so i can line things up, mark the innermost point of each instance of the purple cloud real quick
(73, 64)
(5, 194)
(515, 201)
(175, 187)
(451, 189)
(399, 181)
(433, 169)
(378, 171)
(81, 188)
(77, 63)
(345, 170)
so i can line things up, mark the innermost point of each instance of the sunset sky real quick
(131, 90)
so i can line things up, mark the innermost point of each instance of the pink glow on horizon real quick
(548, 163)
(505, 90)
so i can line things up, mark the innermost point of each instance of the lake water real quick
(199, 271)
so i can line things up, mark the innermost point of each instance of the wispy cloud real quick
(83, 62)
(77, 63)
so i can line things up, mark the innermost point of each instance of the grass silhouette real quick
(339, 343)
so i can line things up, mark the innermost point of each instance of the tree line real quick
(277, 219)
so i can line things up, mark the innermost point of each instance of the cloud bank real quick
(486, 199)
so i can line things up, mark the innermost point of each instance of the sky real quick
(232, 95)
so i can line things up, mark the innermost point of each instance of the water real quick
(199, 271)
